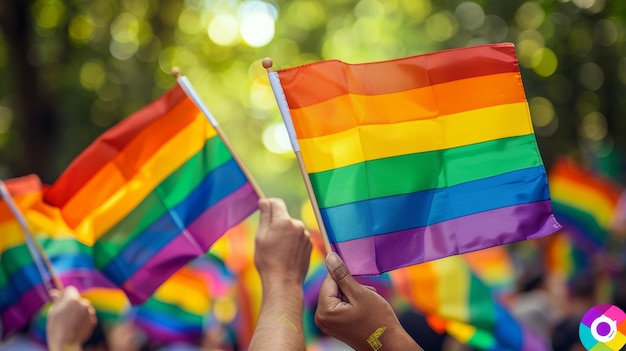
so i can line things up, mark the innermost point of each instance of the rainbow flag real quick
(494, 266)
(584, 203)
(236, 249)
(24, 283)
(418, 158)
(461, 304)
(563, 259)
(154, 192)
(176, 311)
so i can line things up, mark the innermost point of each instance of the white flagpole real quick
(283, 107)
(35, 250)
(185, 84)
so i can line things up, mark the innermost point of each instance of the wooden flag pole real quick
(284, 111)
(33, 247)
(193, 96)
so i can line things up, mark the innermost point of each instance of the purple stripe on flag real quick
(191, 243)
(533, 342)
(413, 246)
(157, 333)
(19, 314)
(84, 279)
(224, 215)
(160, 267)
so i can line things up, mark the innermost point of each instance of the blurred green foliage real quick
(72, 68)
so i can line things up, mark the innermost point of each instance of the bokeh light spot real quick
(418, 9)
(189, 21)
(224, 29)
(605, 32)
(257, 29)
(225, 309)
(591, 76)
(544, 62)
(6, 118)
(81, 29)
(442, 26)
(261, 96)
(471, 16)
(541, 111)
(92, 74)
(306, 14)
(530, 15)
(593, 126)
(276, 139)
(49, 13)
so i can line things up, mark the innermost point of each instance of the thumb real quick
(341, 275)
(265, 217)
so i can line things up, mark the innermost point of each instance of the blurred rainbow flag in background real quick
(176, 311)
(154, 192)
(70, 259)
(564, 259)
(494, 266)
(418, 158)
(584, 203)
(458, 302)
(23, 283)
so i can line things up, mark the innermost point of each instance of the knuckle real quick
(340, 273)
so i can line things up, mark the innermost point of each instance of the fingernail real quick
(333, 260)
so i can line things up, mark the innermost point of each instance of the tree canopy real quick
(73, 68)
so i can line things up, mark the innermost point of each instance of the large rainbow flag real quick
(457, 301)
(417, 158)
(584, 202)
(24, 283)
(154, 192)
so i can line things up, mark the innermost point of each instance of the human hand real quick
(356, 314)
(71, 320)
(283, 247)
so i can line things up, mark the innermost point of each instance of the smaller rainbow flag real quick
(24, 283)
(494, 266)
(563, 259)
(154, 192)
(176, 311)
(418, 158)
(449, 293)
(584, 203)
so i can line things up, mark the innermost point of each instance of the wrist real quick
(387, 339)
(396, 338)
(65, 346)
(282, 281)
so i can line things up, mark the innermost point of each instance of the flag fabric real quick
(457, 301)
(176, 311)
(418, 158)
(236, 249)
(154, 192)
(198, 297)
(585, 203)
(563, 259)
(70, 259)
(23, 283)
(494, 267)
